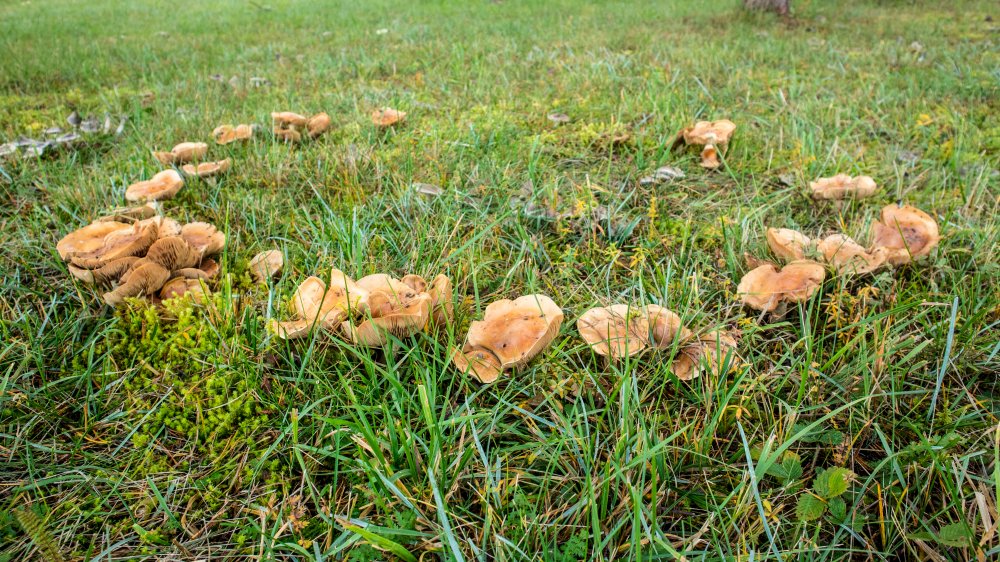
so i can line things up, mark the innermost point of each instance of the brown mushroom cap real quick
(283, 119)
(415, 282)
(665, 327)
(442, 307)
(906, 233)
(121, 243)
(130, 214)
(207, 169)
(183, 152)
(182, 286)
(849, 257)
(843, 186)
(614, 331)
(143, 280)
(166, 226)
(765, 287)
(210, 267)
(266, 265)
(402, 320)
(163, 185)
(203, 237)
(478, 362)
(226, 134)
(787, 244)
(287, 135)
(318, 124)
(387, 117)
(716, 133)
(106, 274)
(87, 239)
(710, 350)
(173, 253)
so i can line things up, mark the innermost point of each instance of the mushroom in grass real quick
(166, 259)
(181, 287)
(163, 185)
(207, 169)
(614, 331)
(265, 265)
(183, 153)
(442, 307)
(132, 240)
(712, 351)
(130, 214)
(712, 136)
(788, 244)
(906, 233)
(843, 186)
(318, 124)
(287, 135)
(203, 237)
(387, 117)
(226, 134)
(391, 306)
(511, 333)
(87, 239)
(848, 257)
(287, 119)
(766, 287)
(316, 303)
(665, 327)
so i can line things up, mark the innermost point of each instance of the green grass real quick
(191, 432)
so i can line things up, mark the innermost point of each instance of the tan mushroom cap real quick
(478, 362)
(210, 267)
(716, 133)
(387, 117)
(316, 303)
(287, 135)
(843, 186)
(848, 257)
(765, 287)
(203, 237)
(665, 327)
(787, 244)
(402, 319)
(225, 134)
(318, 124)
(266, 265)
(283, 119)
(183, 287)
(183, 152)
(709, 351)
(207, 169)
(614, 331)
(87, 239)
(106, 274)
(906, 233)
(442, 307)
(133, 240)
(163, 185)
(166, 226)
(143, 280)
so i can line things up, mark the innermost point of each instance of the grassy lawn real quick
(861, 424)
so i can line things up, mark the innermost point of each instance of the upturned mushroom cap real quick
(515, 331)
(87, 239)
(765, 287)
(665, 327)
(848, 257)
(402, 319)
(442, 307)
(207, 169)
(318, 124)
(906, 233)
(181, 287)
(478, 362)
(183, 152)
(106, 274)
(282, 119)
(316, 303)
(145, 279)
(709, 132)
(133, 240)
(203, 237)
(226, 134)
(387, 117)
(614, 331)
(843, 186)
(163, 185)
(787, 244)
(173, 253)
(166, 226)
(709, 351)
(266, 265)
(415, 282)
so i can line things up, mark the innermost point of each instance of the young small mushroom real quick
(711, 135)
(225, 134)
(710, 350)
(182, 153)
(207, 169)
(906, 233)
(265, 265)
(765, 287)
(387, 117)
(318, 124)
(788, 244)
(163, 185)
(848, 257)
(183, 287)
(286, 119)
(843, 186)
(511, 333)
(614, 331)
(287, 135)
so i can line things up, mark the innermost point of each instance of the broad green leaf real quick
(792, 466)
(838, 509)
(809, 507)
(956, 534)
(833, 482)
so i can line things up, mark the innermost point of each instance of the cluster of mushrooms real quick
(290, 127)
(902, 234)
(136, 252)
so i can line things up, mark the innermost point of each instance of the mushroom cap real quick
(143, 280)
(287, 135)
(709, 132)
(442, 307)
(106, 274)
(291, 329)
(266, 265)
(189, 151)
(616, 331)
(207, 169)
(415, 282)
(710, 350)
(226, 134)
(843, 186)
(163, 185)
(210, 267)
(282, 119)
(478, 362)
(665, 326)
(173, 253)
(166, 226)
(182, 286)
(402, 320)
(87, 239)
(313, 301)
(765, 287)
(131, 241)
(787, 244)
(203, 237)
(517, 330)
(387, 117)
(906, 233)
(849, 257)
(318, 124)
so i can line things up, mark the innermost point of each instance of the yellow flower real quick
(923, 120)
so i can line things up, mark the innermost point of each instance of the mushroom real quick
(765, 287)
(183, 152)
(848, 257)
(87, 239)
(391, 306)
(710, 350)
(665, 327)
(130, 214)
(906, 233)
(210, 267)
(442, 308)
(286, 119)
(316, 303)
(287, 135)
(226, 134)
(207, 169)
(788, 244)
(163, 185)
(614, 331)
(106, 274)
(203, 237)
(843, 186)
(711, 135)
(387, 117)
(143, 280)
(318, 124)
(182, 286)
(133, 240)
(266, 265)
(511, 333)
